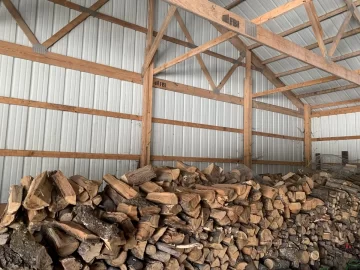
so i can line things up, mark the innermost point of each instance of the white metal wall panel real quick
(110, 44)
(337, 126)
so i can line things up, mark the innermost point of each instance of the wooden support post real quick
(147, 93)
(307, 135)
(248, 112)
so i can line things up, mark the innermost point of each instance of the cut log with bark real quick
(64, 187)
(39, 193)
(122, 188)
(139, 176)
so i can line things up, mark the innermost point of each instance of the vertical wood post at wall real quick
(307, 135)
(248, 112)
(147, 93)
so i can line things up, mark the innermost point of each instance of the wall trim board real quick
(343, 138)
(66, 108)
(58, 154)
(82, 110)
(330, 112)
(220, 128)
(27, 53)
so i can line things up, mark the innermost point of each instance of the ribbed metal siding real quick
(337, 126)
(114, 45)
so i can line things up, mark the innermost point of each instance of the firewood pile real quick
(180, 218)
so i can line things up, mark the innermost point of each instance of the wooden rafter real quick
(352, 7)
(141, 29)
(196, 51)
(267, 72)
(298, 85)
(154, 47)
(308, 67)
(248, 112)
(237, 24)
(278, 11)
(316, 26)
(340, 33)
(302, 26)
(350, 33)
(327, 91)
(329, 112)
(338, 103)
(71, 25)
(235, 3)
(198, 56)
(147, 94)
(229, 73)
(20, 21)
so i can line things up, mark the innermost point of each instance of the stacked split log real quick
(180, 218)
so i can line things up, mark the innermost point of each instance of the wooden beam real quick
(82, 110)
(224, 160)
(20, 21)
(147, 104)
(338, 103)
(307, 135)
(138, 28)
(229, 73)
(278, 162)
(297, 85)
(225, 129)
(267, 72)
(344, 138)
(316, 26)
(305, 25)
(24, 52)
(158, 38)
(235, 3)
(327, 91)
(313, 46)
(71, 25)
(352, 7)
(198, 56)
(27, 53)
(237, 24)
(66, 108)
(340, 33)
(248, 112)
(308, 67)
(276, 12)
(57, 154)
(196, 51)
(346, 110)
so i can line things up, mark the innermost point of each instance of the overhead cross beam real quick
(340, 34)
(158, 38)
(267, 72)
(20, 21)
(352, 7)
(234, 4)
(198, 56)
(299, 85)
(195, 51)
(307, 67)
(73, 23)
(319, 34)
(229, 73)
(241, 26)
(278, 11)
